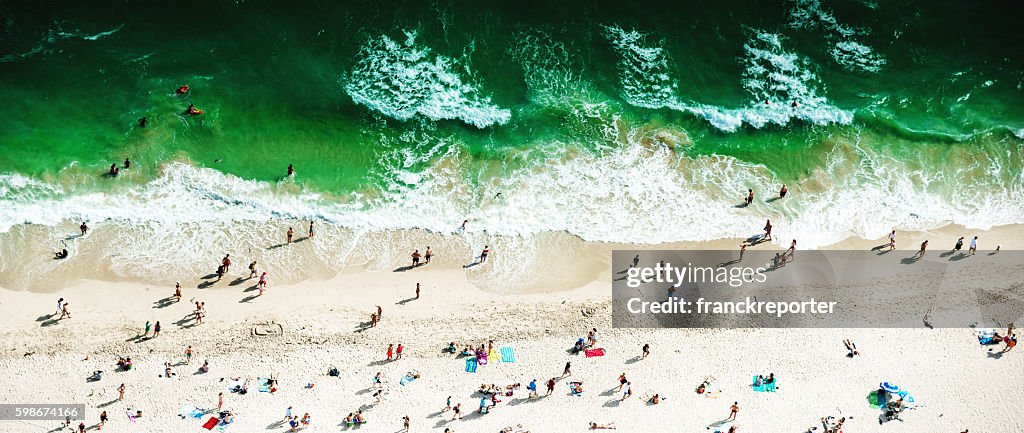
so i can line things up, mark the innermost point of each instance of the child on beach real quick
(177, 291)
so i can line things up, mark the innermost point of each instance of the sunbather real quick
(596, 426)
(577, 388)
(850, 346)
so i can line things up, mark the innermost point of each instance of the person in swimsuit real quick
(750, 196)
(252, 269)
(483, 254)
(768, 230)
(291, 170)
(892, 240)
(177, 291)
(84, 228)
(426, 255)
(127, 164)
(311, 229)
(415, 258)
(417, 290)
(959, 244)
(290, 234)
(783, 191)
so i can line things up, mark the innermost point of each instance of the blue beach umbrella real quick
(889, 387)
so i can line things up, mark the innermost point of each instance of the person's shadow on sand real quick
(403, 268)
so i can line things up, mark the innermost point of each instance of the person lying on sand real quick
(655, 399)
(850, 346)
(596, 426)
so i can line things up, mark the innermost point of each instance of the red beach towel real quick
(211, 423)
(594, 352)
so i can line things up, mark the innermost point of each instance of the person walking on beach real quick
(262, 284)
(60, 306)
(647, 350)
(120, 392)
(405, 423)
(622, 381)
(484, 253)
(447, 405)
(227, 263)
(426, 256)
(750, 196)
(288, 414)
(220, 401)
(568, 369)
(783, 191)
(532, 387)
(379, 312)
(156, 329)
(959, 244)
(84, 228)
(415, 258)
(146, 332)
(551, 386)
(177, 291)
(457, 411)
(743, 249)
(768, 230)
(103, 420)
(188, 355)
(417, 290)
(974, 245)
(398, 352)
(892, 240)
(252, 269)
(311, 230)
(636, 261)
(791, 251)
(64, 312)
(290, 234)
(920, 253)
(733, 410)
(391, 352)
(628, 391)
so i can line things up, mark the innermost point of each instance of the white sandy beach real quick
(958, 383)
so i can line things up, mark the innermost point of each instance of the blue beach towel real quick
(770, 387)
(471, 365)
(508, 354)
(264, 384)
(406, 380)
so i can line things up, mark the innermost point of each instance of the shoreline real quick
(534, 264)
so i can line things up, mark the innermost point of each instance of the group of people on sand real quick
(290, 234)
(416, 256)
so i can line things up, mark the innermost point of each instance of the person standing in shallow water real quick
(783, 191)
(750, 196)
(311, 229)
(290, 234)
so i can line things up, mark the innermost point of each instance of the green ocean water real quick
(370, 101)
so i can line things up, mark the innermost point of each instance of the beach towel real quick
(470, 365)
(770, 387)
(186, 410)
(407, 380)
(594, 352)
(211, 423)
(264, 384)
(492, 356)
(237, 383)
(758, 388)
(508, 354)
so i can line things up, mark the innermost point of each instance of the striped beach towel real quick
(508, 354)
(470, 365)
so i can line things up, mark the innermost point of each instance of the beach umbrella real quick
(889, 387)
(906, 396)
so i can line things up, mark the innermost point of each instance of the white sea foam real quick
(645, 77)
(403, 79)
(855, 56)
(55, 35)
(846, 50)
(770, 74)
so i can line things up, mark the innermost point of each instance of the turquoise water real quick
(610, 120)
